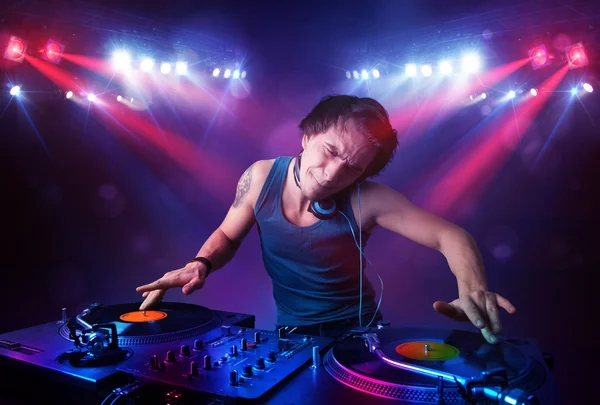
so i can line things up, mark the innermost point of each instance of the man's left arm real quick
(391, 210)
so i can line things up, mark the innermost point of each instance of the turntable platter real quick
(169, 322)
(462, 353)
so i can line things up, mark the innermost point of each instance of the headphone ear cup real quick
(325, 209)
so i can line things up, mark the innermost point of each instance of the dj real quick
(315, 213)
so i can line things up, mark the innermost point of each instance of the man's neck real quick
(294, 197)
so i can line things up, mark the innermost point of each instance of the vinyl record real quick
(462, 353)
(168, 321)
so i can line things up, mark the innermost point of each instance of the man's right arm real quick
(224, 242)
(221, 246)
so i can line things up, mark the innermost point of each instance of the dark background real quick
(89, 215)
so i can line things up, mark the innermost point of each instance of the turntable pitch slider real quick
(491, 385)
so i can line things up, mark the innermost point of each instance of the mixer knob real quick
(281, 333)
(271, 357)
(170, 357)
(244, 344)
(226, 330)
(257, 337)
(154, 362)
(233, 377)
(198, 345)
(260, 363)
(306, 338)
(193, 368)
(185, 351)
(207, 362)
(247, 370)
(234, 351)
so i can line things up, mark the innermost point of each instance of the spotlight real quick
(445, 67)
(410, 69)
(68, 94)
(227, 73)
(180, 67)
(147, 64)
(533, 92)
(243, 74)
(426, 70)
(483, 96)
(364, 75)
(53, 51)
(121, 60)
(511, 94)
(355, 75)
(375, 73)
(91, 97)
(236, 74)
(588, 87)
(119, 98)
(216, 72)
(576, 56)
(15, 50)
(348, 74)
(471, 63)
(573, 91)
(15, 90)
(539, 57)
(165, 68)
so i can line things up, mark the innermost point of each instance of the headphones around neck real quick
(324, 209)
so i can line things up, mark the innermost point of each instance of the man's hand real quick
(481, 308)
(190, 278)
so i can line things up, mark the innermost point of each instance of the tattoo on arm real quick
(243, 187)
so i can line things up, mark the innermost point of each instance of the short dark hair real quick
(369, 116)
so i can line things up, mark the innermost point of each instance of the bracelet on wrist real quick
(205, 262)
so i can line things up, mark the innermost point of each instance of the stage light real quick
(483, 96)
(91, 97)
(180, 67)
(355, 75)
(236, 74)
(539, 57)
(121, 60)
(165, 68)
(68, 94)
(53, 51)
(243, 74)
(445, 67)
(364, 74)
(15, 90)
(15, 49)
(511, 94)
(147, 64)
(576, 56)
(471, 63)
(216, 72)
(227, 73)
(410, 70)
(348, 74)
(375, 73)
(533, 92)
(588, 87)
(573, 91)
(426, 70)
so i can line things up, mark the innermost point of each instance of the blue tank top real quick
(315, 269)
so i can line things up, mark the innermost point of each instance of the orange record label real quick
(423, 350)
(143, 316)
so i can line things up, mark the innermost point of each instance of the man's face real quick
(333, 160)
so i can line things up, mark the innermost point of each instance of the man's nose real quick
(332, 170)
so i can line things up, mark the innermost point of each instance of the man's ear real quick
(305, 140)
